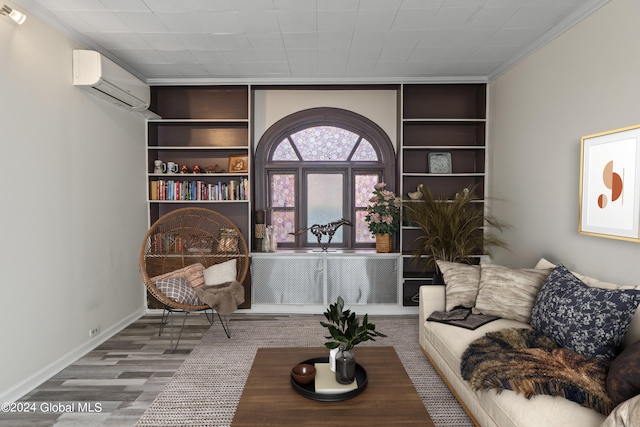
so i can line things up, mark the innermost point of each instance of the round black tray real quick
(309, 390)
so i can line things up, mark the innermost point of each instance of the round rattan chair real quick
(184, 237)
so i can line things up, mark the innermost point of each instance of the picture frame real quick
(610, 184)
(439, 163)
(238, 163)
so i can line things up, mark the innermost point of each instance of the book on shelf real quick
(199, 190)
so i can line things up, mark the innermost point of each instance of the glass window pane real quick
(324, 143)
(285, 152)
(364, 188)
(284, 223)
(324, 203)
(283, 190)
(365, 152)
(362, 228)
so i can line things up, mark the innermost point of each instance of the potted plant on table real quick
(346, 332)
(383, 216)
(452, 230)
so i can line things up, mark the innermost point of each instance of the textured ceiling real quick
(313, 40)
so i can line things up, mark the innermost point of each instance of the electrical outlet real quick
(94, 331)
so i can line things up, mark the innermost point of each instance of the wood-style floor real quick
(115, 383)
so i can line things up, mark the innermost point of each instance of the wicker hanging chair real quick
(184, 237)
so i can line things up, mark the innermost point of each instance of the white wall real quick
(379, 106)
(72, 211)
(584, 82)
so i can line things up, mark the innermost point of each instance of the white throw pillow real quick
(221, 273)
(461, 283)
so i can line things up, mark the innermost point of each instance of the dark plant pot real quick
(345, 367)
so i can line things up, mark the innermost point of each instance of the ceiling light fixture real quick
(18, 17)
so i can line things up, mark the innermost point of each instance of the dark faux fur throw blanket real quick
(527, 362)
(224, 298)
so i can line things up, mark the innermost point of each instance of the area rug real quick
(206, 389)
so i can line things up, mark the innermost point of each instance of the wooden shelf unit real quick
(442, 118)
(200, 125)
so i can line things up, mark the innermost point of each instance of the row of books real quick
(199, 190)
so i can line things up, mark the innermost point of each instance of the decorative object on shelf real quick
(439, 162)
(416, 195)
(324, 230)
(212, 169)
(196, 169)
(383, 213)
(266, 239)
(610, 184)
(172, 167)
(159, 166)
(228, 240)
(452, 230)
(259, 228)
(239, 163)
(199, 244)
(383, 243)
(184, 169)
(347, 332)
(273, 239)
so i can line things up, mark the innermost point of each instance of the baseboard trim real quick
(455, 394)
(49, 371)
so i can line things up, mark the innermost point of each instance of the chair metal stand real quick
(167, 313)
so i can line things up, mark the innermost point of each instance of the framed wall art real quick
(439, 162)
(239, 163)
(610, 184)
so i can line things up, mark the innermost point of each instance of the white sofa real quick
(444, 344)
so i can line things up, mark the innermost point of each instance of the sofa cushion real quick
(633, 333)
(223, 272)
(179, 290)
(461, 283)
(589, 321)
(625, 414)
(623, 380)
(508, 292)
(192, 272)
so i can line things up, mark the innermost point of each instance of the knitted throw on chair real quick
(224, 298)
(525, 361)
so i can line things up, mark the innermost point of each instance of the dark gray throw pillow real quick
(623, 379)
(589, 321)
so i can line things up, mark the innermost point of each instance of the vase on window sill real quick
(383, 243)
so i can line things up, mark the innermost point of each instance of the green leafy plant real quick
(452, 230)
(345, 328)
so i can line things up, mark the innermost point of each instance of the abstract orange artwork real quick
(610, 184)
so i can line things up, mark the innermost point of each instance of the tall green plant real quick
(452, 230)
(345, 328)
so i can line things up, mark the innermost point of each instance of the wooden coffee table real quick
(390, 399)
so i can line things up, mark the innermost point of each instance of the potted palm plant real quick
(452, 230)
(346, 332)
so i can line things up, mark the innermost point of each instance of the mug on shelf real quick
(172, 167)
(159, 166)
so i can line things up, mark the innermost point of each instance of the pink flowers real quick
(383, 214)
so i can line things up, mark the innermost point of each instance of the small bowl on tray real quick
(303, 373)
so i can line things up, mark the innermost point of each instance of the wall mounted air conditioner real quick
(104, 78)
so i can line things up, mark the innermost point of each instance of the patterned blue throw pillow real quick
(589, 321)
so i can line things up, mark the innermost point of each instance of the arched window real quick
(317, 166)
